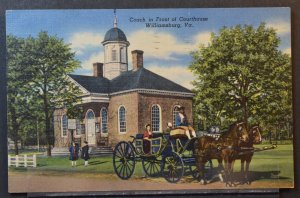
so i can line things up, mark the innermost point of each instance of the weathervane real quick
(115, 19)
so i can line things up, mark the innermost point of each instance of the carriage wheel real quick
(123, 160)
(151, 166)
(173, 168)
(208, 169)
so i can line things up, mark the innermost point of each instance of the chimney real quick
(98, 69)
(137, 59)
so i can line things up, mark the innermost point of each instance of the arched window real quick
(175, 112)
(122, 119)
(103, 120)
(90, 115)
(64, 125)
(156, 118)
(123, 54)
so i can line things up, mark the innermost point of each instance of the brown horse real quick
(247, 151)
(223, 149)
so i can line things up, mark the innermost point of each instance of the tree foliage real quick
(242, 75)
(45, 61)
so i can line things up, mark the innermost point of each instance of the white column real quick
(17, 161)
(25, 160)
(8, 159)
(34, 160)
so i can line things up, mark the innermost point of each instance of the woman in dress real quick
(147, 137)
(74, 149)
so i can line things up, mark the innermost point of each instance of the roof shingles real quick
(140, 79)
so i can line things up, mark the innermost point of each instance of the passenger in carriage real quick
(182, 122)
(147, 139)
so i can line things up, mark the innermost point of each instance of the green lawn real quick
(63, 164)
(266, 165)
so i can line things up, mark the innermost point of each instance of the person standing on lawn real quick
(74, 149)
(85, 153)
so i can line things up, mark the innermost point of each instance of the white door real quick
(91, 131)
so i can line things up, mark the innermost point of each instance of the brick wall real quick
(59, 141)
(64, 141)
(130, 102)
(167, 103)
(138, 113)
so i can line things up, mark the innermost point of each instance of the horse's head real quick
(255, 134)
(242, 132)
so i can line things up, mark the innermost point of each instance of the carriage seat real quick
(157, 135)
(154, 135)
(139, 136)
(178, 133)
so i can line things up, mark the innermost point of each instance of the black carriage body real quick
(167, 157)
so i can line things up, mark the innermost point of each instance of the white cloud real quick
(88, 64)
(203, 38)
(82, 40)
(281, 27)
(287, 51)
(162, 45)
(178, 74)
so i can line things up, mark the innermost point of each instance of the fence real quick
(22, 160)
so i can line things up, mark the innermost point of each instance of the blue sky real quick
(166, 50)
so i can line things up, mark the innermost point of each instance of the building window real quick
(122, 119)
(123, 55)
(103, 120)
(82, 128)
(114, 55)
(155, 118)
(90, 115)
(78, 127)
(175, 112)
(64, 126)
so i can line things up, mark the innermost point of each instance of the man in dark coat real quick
(85, 153)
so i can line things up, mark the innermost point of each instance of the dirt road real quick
(78, 182)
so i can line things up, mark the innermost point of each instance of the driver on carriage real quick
(181, 122)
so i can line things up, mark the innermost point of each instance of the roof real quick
(130, 80)
(115, 34)
(92, 84)
(144, 79)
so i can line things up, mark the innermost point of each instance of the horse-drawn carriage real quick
(171, 156)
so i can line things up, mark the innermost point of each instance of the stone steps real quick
(100, 151)
(93, 151)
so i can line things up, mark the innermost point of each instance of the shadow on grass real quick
(257, 175)
(97, 162)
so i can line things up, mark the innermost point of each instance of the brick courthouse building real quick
(117, 103)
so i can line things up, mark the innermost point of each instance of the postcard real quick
(149, 99)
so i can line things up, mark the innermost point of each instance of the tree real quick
(52, 61)
(242, 75)
(18, 92)
(39, 68)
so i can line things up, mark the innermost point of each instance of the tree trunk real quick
(48, 136)
(15, 130)
(16, 146)
(47, 125)
(245, 111)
